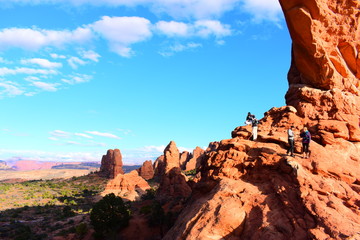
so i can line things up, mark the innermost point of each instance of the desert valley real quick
(236, 188)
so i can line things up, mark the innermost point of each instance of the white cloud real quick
(51, 87)
(78, 78)
(75, 61)
(91, 55)
(41, 62)
(205, 28)
(57, 56)
(22, 70)
(263, 10)
(121, 32)
(173, 28)
(8, 88)
(60, 133)
(83, 135)
(34, 39)
(201, 28)
(109, 135)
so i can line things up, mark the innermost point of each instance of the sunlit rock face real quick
(325, 68)
(275, 196)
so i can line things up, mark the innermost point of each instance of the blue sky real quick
(78, 77)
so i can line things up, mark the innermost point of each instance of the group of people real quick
(305, 136)
(305, 139)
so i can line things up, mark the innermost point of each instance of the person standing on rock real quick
(249, 118)
(254, 125)
(290, 141)
(306, 138)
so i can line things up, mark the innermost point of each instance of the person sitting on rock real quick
(290, 141)
(306, 138)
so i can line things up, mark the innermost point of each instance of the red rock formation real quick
(184, 158)
(159, 167)
(146, 171)
(195, 161)
(173, 183)
(276, 196)
(128, 186)
(111, 164)
(325, 69)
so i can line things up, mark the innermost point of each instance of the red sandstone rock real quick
(159, 167)
(128, 186)
(146, 171)
(173, 183)
(184, 158)
(195, 161)
(111, 164)
(325, 68)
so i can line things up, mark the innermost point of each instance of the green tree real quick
(109, 215)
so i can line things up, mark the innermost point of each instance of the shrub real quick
(150, 194)
(109, 214)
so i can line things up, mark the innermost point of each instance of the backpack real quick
(306, 137)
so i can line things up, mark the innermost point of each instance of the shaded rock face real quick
(129, 186)
(111, 164)
(195, 161)
(184, 158)
(146, 171)
(159, 167)
(173, 182)
(324, 77)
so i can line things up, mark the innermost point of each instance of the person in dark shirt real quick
(306, 138)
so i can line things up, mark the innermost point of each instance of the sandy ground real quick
(42, 174)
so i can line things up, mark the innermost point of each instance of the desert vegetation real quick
(42, 209)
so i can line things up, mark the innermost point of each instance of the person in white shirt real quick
(291, 139)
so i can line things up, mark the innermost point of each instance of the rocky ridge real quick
(253, 190)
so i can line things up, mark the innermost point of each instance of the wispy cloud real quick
(74, 62)
(21, 70)
(200, 28)
(51, 87)
(102, 134)
(41, 62)
(10, 89)
(77, 78)
(171, 50)
(83, 135)
(60, 134)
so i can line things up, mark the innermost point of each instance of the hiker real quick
(254, 125)
(306, 138)
(290, 141)
(249, 118)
